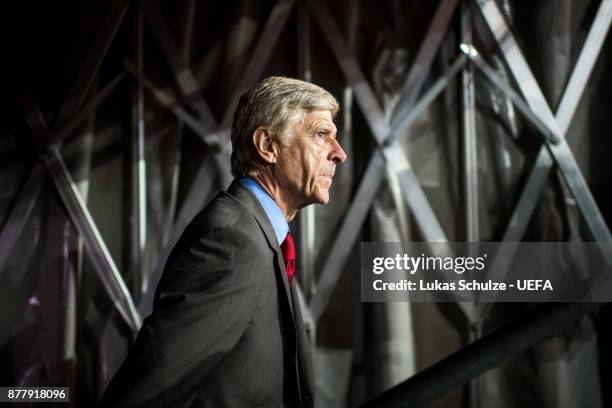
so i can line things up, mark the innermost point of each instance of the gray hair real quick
(276, 103)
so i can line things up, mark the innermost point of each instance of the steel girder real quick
(469, 151)
(535, 110)
(545, 321)
(100, 256)
(535, 99)
(137, 272)
(487, 352)
(554, 128)
(20, 211)
(67, 119)
(65, 124)
(389, 152)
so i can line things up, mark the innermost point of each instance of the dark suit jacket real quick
(226, 329)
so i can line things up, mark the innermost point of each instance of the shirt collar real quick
(273, 211)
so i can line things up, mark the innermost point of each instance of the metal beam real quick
(381, 130)
(545, 321)
(584, 66)
(347, 234)
(187, 22)
(469, 164)
(413, 193)
(20, 213)
(366, 191)
(362, 201)
(423, 60)
(535, 99)
(427, 99)
(138, 272)
(86, 111)
(188, 85)
(520, 216)
(29, 193)
(492, 76)
(569, 102)
(469, 146)
(168, 101)
(364, 95)
(100, 257)
(183, 75)
(277, 20)
(92, 63)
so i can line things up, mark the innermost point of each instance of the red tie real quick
(288, 248)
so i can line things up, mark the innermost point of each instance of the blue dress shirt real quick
(273, 211)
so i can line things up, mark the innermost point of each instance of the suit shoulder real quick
(215, 237)
(223, 212)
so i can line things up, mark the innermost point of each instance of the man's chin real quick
(322, 197)
(319, 195)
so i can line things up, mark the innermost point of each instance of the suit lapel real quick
(254, 207)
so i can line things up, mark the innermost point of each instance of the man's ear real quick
(265, 146)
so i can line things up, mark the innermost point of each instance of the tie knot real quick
(288, 248)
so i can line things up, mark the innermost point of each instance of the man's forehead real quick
(319, 117)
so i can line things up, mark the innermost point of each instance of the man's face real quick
(305, 167)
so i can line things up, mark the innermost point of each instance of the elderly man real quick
(226, 328)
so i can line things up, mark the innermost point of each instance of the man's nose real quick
(337, 153)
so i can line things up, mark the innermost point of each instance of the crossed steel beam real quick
(557, 124)
(50, 141)
(26, 200)
(389, 152)
(469, 149)
(188, 86)
(66, 123)
(167, 100)
(535, 109)
(543, 322)
(555, 148)
(80, 216)
(92, 62)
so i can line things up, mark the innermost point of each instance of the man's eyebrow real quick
(324, 126)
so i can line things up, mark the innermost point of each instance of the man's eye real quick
(320, 135)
